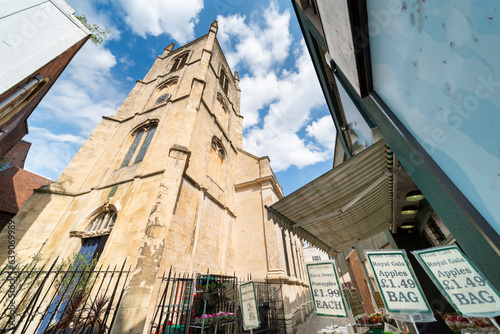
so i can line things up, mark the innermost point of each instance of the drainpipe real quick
(21, 91)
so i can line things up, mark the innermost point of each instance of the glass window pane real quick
(133, 147)
(145, 145)
(439, 74)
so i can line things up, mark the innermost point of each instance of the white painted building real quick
(38, 39)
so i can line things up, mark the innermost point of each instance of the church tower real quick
(165, 182)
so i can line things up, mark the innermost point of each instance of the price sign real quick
(325, 289)
(397, 283)
(459, 281)
(249, 306)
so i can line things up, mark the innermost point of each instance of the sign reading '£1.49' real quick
(327, 295)
(458, 279)
(399, 287)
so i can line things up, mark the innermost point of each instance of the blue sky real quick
(285, 114)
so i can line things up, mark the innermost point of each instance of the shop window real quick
(138, 148)
(179, 62)
(30, 91)
(223, 81)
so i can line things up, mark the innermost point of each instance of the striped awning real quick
(348, 204)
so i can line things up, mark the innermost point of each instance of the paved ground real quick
(315, 323)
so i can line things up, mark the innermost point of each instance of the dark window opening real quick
(223, 81)
(139, 141)
(218, 147)
(179, 62)
(285, 251)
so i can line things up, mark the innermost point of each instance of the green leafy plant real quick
(81, 320)
(98, 34)
(80, 275)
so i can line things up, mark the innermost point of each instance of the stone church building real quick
(165, 182)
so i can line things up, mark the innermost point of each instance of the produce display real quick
(373, 319)
(458, 322)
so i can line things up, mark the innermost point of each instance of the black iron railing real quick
(201, 303)
(270, 307)
(81, 299)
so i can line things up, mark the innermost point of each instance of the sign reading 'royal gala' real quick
(397, 283)
(459, 281)
(325, 289)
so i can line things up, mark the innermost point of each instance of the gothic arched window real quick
(216, 167)
(164, 91)
(102, 222)
(179, 62)
(142, 140)
(223, 81)
(221, 112)
(218, 147)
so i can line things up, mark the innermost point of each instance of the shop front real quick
(369, 207)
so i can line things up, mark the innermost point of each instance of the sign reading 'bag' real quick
(325, 289)
(397, 283)
(459, 281)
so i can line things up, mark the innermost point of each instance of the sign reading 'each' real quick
(459, 281)
(325, 289)
(397, 283)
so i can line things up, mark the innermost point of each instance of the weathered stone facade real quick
(192, 198)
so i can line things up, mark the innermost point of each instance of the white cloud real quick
(289, 100)
(276, 101)
(72, 109)
(45, 133)
(323, 130)
(84, 92)
(50, 153)
(126, 62)
(259, 44)
(155, 17)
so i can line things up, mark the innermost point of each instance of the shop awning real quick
(348, 204)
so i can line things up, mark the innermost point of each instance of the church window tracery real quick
(221, 111)
(164, 92)
(179, 62)
(223, 81)
(218, 147)
(142, 139)
(104, 221)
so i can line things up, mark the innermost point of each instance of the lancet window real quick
(138, 148)
(218, 147)
(223, 81)
(179, 62)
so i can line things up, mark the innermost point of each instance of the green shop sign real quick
(459, 281)
(398, 285)
(325, 289)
